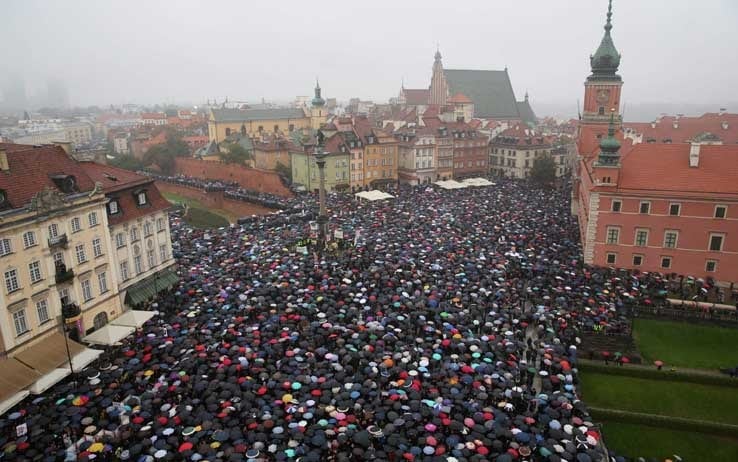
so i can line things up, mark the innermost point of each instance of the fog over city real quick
(674, 52)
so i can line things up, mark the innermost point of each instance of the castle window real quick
(601, 110)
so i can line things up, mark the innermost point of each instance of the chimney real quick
(722, 111)
(653, 124)
(4, 165)
(65, 145)
(694, 155)
(676, 124)
(725, 125)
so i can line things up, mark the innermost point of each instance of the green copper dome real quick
(318, 101)
(610, 146)
(606, 60)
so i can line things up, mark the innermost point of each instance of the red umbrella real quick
(658, 363)
(625, 359)
(606, 354)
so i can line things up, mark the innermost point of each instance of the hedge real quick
(655, 374)
(663, 421)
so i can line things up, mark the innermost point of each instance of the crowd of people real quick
(447, 329)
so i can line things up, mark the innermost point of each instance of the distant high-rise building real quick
(14, 95)
(57, 96)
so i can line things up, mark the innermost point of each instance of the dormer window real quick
(141, 197)
(66, 183)
(113, 207)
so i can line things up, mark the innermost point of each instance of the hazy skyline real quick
(164, 51)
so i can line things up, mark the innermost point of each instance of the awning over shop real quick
(133, 318)
(12, 400)
(49, 353)
(49, 380)
(147, 288)
(15, 377)
(84, 358)
(109, 335)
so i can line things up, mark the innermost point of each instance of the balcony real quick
(70, 310)
(63, 274)
(58, 241)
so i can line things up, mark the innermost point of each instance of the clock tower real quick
(602, 87)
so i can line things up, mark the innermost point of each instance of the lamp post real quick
(68, 311)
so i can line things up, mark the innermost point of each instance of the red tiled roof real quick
(416, 96)
(475, 123)
(130, 210)
(459, 98)
(112, 178)
(665, 167)
(31, 169)
(122, 184)
(689, 127)
(153, 115)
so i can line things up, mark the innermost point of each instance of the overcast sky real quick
(147, 51)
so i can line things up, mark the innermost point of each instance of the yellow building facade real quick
(254, 122)
(55, 250)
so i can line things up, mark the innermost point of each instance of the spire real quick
(438, 52)
(318, 101)
(610, 146)
(606, 60)
(526, 95)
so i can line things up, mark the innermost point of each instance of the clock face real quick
(603, 95)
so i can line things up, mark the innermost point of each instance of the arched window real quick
(136, 250)
(101, 319)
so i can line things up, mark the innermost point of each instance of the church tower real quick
(602, 88)
(318, 113)
(438, 86)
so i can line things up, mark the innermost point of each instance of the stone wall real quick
(249, 178)
(214, 200)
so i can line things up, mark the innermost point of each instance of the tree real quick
(234, 153)
(161, 156)
(175, 145)
(543, 170)
(284, 170)
(127, 162)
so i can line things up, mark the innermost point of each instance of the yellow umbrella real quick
(96, 447)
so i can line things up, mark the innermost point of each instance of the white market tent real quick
(84, 358)
(133, 318)
(374, 195)
(12, 400)
(49, 380)
(451, 184)
(109, 335)
(478, 182)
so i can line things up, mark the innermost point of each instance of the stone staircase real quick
(597, 343)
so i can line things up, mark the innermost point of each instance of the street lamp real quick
(69, 310)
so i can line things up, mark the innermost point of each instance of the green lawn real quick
(641, 441)
(199, 215)
(201, 218)
(678, 399)
(686, 345)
